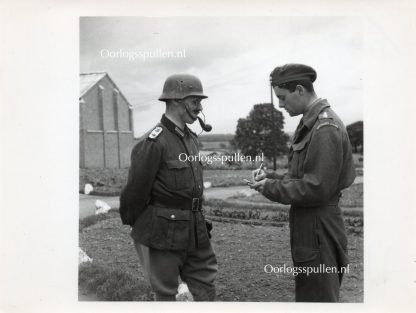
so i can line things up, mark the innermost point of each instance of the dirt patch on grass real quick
(242, 252)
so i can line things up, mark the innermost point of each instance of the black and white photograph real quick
(207, 156)
(221, 167)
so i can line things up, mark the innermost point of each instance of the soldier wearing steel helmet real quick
(163, 197)
(320, 166)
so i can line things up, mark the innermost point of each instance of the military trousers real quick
(319, 252)
(162, 268)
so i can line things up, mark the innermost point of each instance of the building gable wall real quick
(106, 135)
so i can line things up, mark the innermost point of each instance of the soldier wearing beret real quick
(162, 200)
(320, 167)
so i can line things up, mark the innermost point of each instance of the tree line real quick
(262, 132)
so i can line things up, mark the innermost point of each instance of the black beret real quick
(292, 72)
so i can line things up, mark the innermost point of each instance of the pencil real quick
(261, 165)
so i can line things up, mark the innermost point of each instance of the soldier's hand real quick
(259, 185)
(208, 224)
(260, 176)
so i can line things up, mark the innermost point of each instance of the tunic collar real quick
(310, 116)
(172, 127)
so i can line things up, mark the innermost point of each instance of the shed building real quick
(106, 123)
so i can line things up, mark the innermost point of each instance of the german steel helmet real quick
(180, 86)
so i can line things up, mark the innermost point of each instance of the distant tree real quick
(261, 132)
(356, 134)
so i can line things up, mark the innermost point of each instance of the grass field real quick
(242, 251)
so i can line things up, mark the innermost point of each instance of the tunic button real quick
(172, 216)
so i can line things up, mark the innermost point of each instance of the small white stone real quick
(207, 184)
(88, 189)
(83, 257)
(101, 207)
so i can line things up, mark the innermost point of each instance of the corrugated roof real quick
(88, 80)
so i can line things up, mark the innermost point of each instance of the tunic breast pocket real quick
(298, 158)
(180, 174)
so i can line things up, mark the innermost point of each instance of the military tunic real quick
(164, 197)
(320, 166)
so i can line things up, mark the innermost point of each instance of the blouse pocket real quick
(180, 175)
(298, 158)
(172, 228)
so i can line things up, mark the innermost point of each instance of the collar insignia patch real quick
(180, 132)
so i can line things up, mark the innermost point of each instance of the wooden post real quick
(131, 124)
(116, 117)
(273, 126)
(82, 133)
(101, 109)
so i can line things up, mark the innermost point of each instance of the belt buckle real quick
(195, 204)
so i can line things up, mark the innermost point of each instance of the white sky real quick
(232, 56)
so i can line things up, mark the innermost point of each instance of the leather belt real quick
(194, 204)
